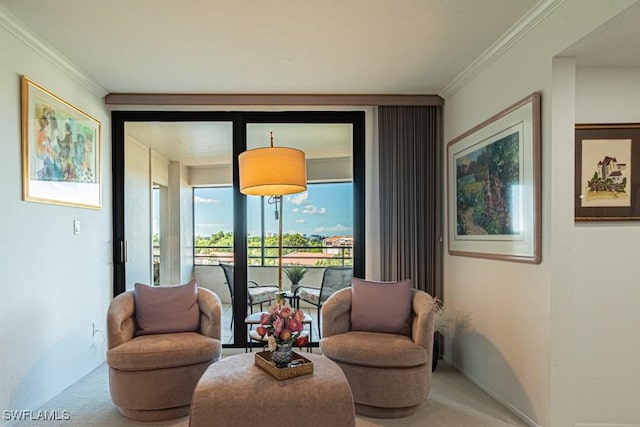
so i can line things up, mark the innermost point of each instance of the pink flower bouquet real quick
(282, 326)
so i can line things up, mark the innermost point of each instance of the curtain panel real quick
(410, 195)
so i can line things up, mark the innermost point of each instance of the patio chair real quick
(256, 294)
(333, 279)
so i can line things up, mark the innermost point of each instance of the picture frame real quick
(607, 172)
(494, 186)
(60, 150)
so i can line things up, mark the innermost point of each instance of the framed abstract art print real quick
(60, 150)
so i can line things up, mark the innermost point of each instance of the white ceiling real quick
(209, 143)
(616, 43)
(286, 47)
(276, 46)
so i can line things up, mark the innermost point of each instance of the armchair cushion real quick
(164, 351)
(381, 306)
(259, 295)
(311, 295)
(374, 350)
(167, 309)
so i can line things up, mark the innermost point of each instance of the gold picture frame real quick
(60, 150)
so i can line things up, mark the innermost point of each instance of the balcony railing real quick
(310, 256)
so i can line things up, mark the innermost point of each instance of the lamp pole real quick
(280, 296)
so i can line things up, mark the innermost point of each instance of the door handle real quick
(123, 251)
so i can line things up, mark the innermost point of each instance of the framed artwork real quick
(607, 172)
(493, 186)
(60, 150)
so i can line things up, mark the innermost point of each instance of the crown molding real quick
(19, 30)
(518, 30)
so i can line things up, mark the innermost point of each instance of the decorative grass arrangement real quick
(295, 273)
(449, 322)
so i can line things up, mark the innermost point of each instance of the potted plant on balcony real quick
(295, 273)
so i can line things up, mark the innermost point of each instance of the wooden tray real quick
(263, 360)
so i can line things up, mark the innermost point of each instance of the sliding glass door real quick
(204, 222)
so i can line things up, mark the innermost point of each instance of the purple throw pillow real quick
(167, 309)
(381, 306)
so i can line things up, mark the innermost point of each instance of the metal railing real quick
(267, 255)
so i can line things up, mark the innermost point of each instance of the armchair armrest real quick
(336, 313)
(121, 324)
(210, 313)
(423, 322)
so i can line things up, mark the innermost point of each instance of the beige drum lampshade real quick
(272, 171)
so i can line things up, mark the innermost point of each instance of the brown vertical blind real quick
(409, 147)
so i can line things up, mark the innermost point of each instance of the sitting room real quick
(425, 193)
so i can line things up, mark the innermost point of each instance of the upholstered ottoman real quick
(236, 392)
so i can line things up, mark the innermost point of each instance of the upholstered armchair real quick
(152, 375)
(389, 373)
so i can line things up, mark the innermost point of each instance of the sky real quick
(325, 209)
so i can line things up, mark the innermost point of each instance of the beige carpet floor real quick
(452, 401)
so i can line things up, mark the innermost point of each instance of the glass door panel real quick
(173, 234)
(317, 223)
(213, 248)
(137, 248)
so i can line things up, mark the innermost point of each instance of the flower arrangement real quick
(283, 327)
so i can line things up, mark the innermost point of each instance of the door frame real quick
(239, 119)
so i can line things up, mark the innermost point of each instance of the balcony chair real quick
(333, 279)
(389, 372)
(256, 294)
(160, 341)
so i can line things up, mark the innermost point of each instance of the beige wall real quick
(54, 285)
(522, 351)
(606, 281)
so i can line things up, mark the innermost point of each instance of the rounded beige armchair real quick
(389, 373)
(152, 374)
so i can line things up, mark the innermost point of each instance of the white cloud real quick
(203, 201)
(300, 221)
(299, 199)
(333, 229)
(314, 210)
(295, 210)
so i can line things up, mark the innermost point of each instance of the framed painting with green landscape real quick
(493, 186)
(607, 172)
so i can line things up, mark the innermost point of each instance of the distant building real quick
(334, 244)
